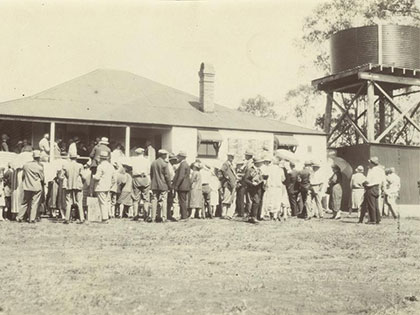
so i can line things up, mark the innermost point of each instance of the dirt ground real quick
(211, 267)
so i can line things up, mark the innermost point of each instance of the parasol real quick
(286, 155)
(344, 166)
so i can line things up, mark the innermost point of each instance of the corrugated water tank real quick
(393, 45)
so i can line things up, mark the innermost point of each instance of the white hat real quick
(104, 140)
(139, 150)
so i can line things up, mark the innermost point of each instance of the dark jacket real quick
(292, 184)
(229, 175)
(305, 179)
(159, 175)
(182, 180)
(253, 177)
(96, 152)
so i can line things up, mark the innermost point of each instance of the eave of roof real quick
(122, 98)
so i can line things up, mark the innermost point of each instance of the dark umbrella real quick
(344, 166)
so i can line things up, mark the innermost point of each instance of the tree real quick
(259, 106)
(327, 19)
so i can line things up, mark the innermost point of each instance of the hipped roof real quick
(113, 96)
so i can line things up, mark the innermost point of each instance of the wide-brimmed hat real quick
(374, 160)
(104, 140)
(126, 162)
(360, 169)
(197, 165)
(172, 157)
(103, 155)
(162, 152)
(258, 159)
(36, 154)
(182, 153)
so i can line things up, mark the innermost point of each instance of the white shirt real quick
(375, 176)
(44, 145)
(275, 176)
(205, 176)
(141, 165)
(73, 149)
(393, 184)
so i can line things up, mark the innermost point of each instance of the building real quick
(132, 110)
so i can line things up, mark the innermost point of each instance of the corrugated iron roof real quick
(122, 97)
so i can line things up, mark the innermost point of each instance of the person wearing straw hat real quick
(357, 190)
(102, 146)
(254, 181)
(182, 183)
(160, 184)
(141, 183)
(370, 200)
(74, 186)
(229, 186)
(32, 182)
(103, 178)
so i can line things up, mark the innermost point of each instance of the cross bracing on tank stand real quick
(371, 84)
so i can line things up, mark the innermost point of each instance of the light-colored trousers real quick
(104, 204)
(74, 196)
(161, 197)
(32, 199)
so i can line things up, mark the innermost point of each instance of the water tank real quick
(393, 45)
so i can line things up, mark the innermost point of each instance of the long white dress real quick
(274, 192)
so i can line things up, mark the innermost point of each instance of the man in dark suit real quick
(254, 181)
(228, 185)
(292, 187)
(305, 190)
(182, 184)
(160, 184)
(32, 182)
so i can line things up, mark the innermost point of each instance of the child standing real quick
(125, 186)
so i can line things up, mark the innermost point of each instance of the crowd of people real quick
(162, 186)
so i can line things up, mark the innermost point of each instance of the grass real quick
(210, 267)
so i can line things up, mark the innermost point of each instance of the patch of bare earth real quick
(210, 267)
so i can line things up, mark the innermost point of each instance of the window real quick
(208, 143)
(208, 149)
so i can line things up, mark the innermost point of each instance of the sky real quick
(250, 44)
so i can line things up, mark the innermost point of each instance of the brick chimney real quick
(206, 75)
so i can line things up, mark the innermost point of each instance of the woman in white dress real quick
(273, 197)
